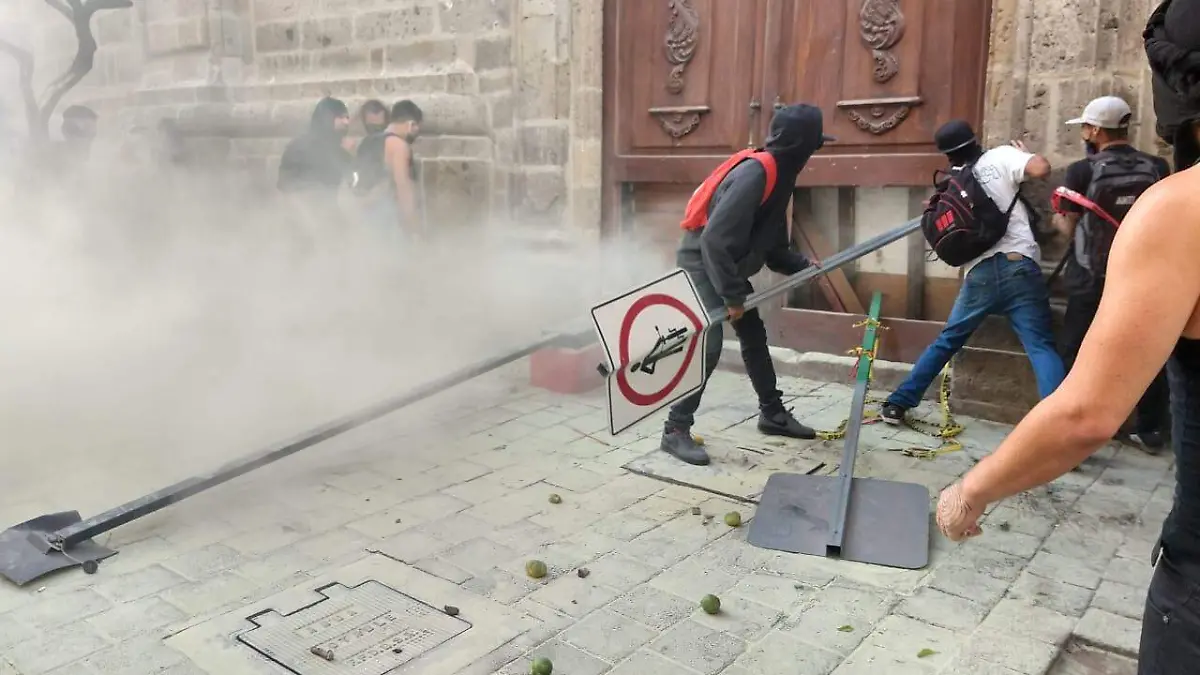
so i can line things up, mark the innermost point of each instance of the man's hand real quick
(956, 518)
(736, 312)
(1018, 144)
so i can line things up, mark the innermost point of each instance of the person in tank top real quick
(1149, 314)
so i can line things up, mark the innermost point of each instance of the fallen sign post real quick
(861, 519)
(58, 541)
(648, 326)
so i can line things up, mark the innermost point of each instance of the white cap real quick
(1106, 112)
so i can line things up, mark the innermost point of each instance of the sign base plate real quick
(887, 522)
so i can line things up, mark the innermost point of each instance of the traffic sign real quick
(653, 338)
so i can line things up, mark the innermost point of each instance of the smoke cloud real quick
(159, 323)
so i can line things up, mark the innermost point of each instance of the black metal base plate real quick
(22, 560)
(887, 522)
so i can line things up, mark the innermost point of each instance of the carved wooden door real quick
(684, 82)
(886, 73)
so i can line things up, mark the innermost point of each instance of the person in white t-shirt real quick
(1006, 280)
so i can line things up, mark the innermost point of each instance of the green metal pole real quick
(858, 403)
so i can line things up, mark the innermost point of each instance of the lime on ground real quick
(536, 569)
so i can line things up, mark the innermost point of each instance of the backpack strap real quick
(771, 168)
(695, 215)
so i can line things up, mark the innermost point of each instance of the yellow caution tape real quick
(947, 430)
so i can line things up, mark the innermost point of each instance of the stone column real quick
(543, 110)
(586, 154)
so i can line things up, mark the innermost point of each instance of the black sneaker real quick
(1151, 442)
(679, 442)
(892, 413)
(781, 422)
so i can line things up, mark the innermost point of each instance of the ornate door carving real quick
(887, 73)
(687, 82)
(682, 85)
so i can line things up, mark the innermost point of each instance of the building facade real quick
(576, 113)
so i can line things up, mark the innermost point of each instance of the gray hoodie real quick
(743, 232)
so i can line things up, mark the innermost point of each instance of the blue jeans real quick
(1012, 288)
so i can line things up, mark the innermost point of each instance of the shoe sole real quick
(775, 432)
(889, 420)
(706, 461)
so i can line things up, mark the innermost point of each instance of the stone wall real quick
(1048, 59)
(510, 88)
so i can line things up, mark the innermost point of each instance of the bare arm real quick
(1151, 292)
(398, 159)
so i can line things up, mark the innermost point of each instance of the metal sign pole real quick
(56, 541)
(837, 524)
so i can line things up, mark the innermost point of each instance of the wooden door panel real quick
(683, 84)
(886, 73)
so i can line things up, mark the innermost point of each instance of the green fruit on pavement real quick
(541, 666)
(711, 604)
(555, 499)
(733, 519)
(536, 569)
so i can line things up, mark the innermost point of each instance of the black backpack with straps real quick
(961, 222)
(1118, 179)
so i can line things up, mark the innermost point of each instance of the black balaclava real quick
(797, 131)
(327, 110)
(1172, 39)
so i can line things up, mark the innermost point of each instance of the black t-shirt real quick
(1079, 174)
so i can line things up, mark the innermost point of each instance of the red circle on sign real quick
(640, 305)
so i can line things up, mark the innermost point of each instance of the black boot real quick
(679, 442)
(775, 420)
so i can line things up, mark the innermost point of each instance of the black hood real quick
(327, 110)
(797, 131)
(1172, 40)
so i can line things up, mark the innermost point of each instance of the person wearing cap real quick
(1005, 280)
(1149, 315)
(735, 224)
(1112, 175)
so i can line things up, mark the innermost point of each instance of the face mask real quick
(1090, 147)
(374, 127)
(412, 136)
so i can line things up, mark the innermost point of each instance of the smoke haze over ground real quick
(157, 325)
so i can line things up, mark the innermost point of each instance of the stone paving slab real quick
(741, 464)
(447, 503)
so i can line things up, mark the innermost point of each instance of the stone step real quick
(993, 384)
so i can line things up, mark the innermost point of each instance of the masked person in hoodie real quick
(317, 161)
(1149, 314)
(736, 222)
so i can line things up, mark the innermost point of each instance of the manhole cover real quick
(369, 629)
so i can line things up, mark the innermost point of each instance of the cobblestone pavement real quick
(447, 502)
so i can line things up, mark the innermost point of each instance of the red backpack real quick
(695, 216)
